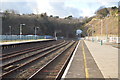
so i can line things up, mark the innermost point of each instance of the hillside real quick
(107, 25)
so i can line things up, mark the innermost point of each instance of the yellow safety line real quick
(85, 62)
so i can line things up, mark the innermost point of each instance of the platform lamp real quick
(10, 32)
(21, 29)
(36, 32)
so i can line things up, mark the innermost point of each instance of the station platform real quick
(106, 57)
(23, 41)
(92, 60)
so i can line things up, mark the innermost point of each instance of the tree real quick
(114, 11)
(47, 24)
(102, 12)
(69, 17)
(114, 7)
(51, 15)
(44, 15)
(56, 16)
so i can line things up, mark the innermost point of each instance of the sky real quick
(61, 8)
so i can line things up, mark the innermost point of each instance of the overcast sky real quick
(60, 8)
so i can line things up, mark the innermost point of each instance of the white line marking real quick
(69, 64)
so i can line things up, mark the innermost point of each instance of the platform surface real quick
(22, 41)
(106, 58)
(92, 60)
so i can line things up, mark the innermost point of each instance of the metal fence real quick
(23, 37)
(104, 39)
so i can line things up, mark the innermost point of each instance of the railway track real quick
(15, 67)
(17, 59)
(28, 53)
(25, 54)
(54, 69)
(37, 46)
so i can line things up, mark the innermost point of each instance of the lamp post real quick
(88, 33)
(101, 24)
(10, 32)
(101, 27)
(36, 32)
(92, 29)
(21, 30)
(101, 42)
(55, 33)
(92, 32)
(107, 31)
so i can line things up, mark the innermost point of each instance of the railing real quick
(23, 37)
(104, 39)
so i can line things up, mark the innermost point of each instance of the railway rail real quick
(23, 60)
(54, 69)
(16, 59)
(10, 57)
(25, 57)
(16, 48)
